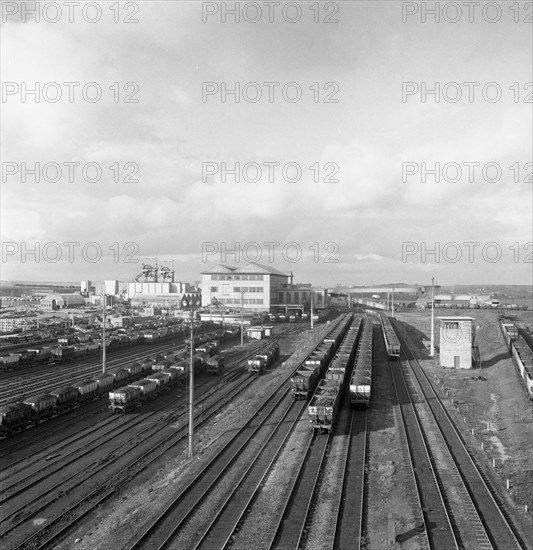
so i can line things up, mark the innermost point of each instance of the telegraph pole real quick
(103, 334)
(191, 392)
(312, 300)
(242, 318)
(432, 349)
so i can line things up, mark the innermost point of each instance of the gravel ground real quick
(492, 395)
(261, 520)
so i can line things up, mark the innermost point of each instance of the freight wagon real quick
(322, 409)
(215, 364)
(125, 399)
(174, 375)
(147, 387)
(263, 360)
(65, 398)
(14, 417)
(105, 382)
(10, 361)
(42, 407)
(160, 379)
(361, 380)
(391, 339)
(87, 390)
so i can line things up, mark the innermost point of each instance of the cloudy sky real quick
(163, 119)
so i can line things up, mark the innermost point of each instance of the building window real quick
(259, 277)
(259, 289)
(280, 297)
(214, 289)
(259, 301)
(237, 277)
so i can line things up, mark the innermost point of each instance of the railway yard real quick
(346, 436)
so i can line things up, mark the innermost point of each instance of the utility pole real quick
(432, 349)
(103, 333)
(242, 317)
(191, 392)
(312, 300)
(392, 308)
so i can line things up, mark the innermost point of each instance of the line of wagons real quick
(72, 348)
(344, 357)
(263, 360)
(170, 371)
(75, 347)
(172, 366)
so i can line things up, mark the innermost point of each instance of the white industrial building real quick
(259, 288)
(456, 342)
(54, 301)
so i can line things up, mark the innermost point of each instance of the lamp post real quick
(432, 348)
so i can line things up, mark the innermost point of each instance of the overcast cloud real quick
(368, 134)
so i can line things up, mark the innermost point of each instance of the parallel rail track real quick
(57, 526)
(496, 520)
(438, 526)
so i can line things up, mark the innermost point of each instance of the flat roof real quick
(452, 318)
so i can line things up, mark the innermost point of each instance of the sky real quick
(334, 153)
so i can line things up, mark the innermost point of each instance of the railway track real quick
(349, 527)
(291, 521)
(495, 520)
(150, 451)
(222, 526)
(168, 525)
(437, 523)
